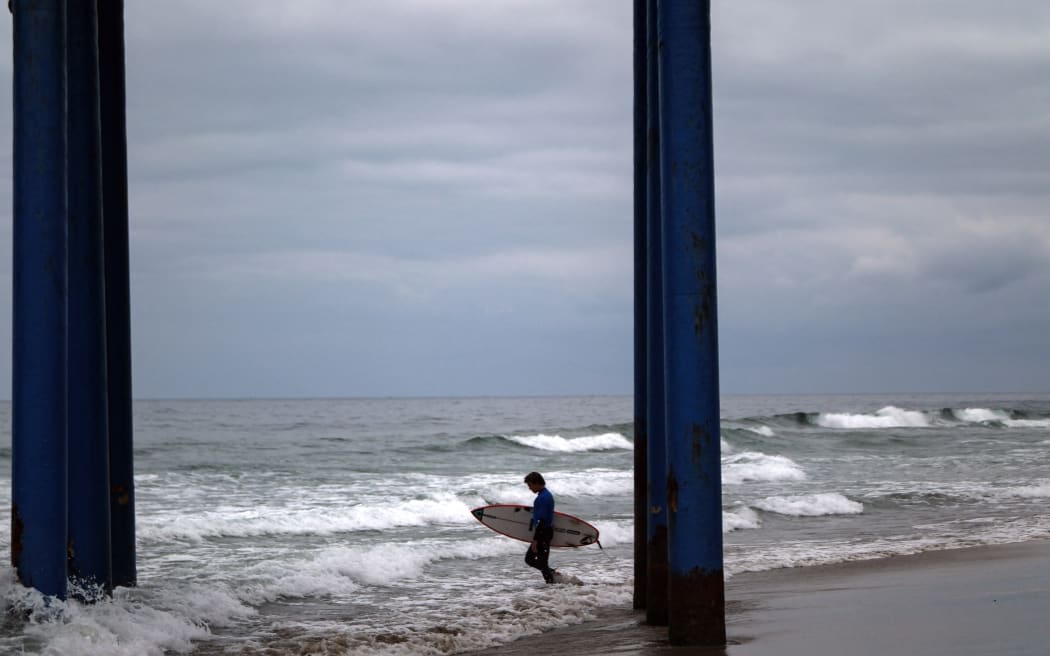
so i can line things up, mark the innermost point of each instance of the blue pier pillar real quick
(656, 606)
(89, 530)
(696, 613)
(118, 303)
(641, 402)
(38, 487)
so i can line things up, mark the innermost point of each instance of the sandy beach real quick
(981, 600)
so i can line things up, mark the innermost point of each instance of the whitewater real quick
(343, 526)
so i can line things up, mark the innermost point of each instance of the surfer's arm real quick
(543, 511)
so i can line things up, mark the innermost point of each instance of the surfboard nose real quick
(479, 513)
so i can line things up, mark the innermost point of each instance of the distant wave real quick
(804, 505)
(764, 431)
(994, 418)
(810, 505)
(888, 417)
(754, 433)
(553, 443)
(603, 442)
(749, 432)
(598, 429)
(752, 466)
(978, 415)
(895, 417)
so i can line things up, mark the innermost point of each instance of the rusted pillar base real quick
(656, 606)
(641, 511)
(697, 608)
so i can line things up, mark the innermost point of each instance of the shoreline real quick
(988, 599)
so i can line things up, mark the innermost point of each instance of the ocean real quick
(343, 526)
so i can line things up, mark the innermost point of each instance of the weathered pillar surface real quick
(641, 309)
(656, 536)
(38, 488)
(89, 530)
(696, 611)
(118, 304)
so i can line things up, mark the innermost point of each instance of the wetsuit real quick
(543, 531)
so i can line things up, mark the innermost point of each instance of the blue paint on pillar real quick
(118, 303)
(641, 355)
(89, 530)
(696, 586)
(656, 605)
(38, 488)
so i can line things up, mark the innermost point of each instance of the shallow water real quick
(343, 526)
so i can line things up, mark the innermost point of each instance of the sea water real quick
(344, 527)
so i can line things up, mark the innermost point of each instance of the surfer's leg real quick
(538, 557)
(548, 573)
(543, 549)
(531, 557)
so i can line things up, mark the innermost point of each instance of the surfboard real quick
(513, 521)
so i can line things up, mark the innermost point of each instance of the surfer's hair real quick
(535, 478)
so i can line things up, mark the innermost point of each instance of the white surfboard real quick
(514, 521)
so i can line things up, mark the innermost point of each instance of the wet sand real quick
(979, 601)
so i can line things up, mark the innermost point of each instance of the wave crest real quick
(739, 519)
(895, 417)
(810, 505)
(603, 442)
(753, 466)
(979, 415)
(888, 417)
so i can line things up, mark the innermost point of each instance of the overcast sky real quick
(433, 197)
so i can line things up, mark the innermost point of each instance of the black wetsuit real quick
(543, 533)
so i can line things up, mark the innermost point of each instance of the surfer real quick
(542, 526)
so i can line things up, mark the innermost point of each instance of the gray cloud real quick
(434, 197)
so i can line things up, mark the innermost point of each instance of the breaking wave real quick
(603, 442)
(810, 505)
(752, 466)
(895, 417)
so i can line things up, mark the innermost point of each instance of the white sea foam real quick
(592, 483)
(979, 415)
(612, 534)
(982, 415)
(934, 537)
(739, 518)
(764, 431)
(150, 621)
(1027, 423)
(753, 466)
(603, 442)
(888, 417)
(1037, 491)
(478, 624)
(563, 484)
(810, 505)
(257, 520)
(341, 569)
(142, 621)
